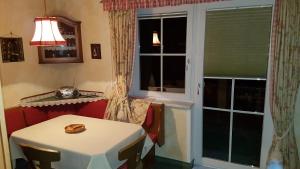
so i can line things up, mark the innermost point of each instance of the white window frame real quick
(161, 12)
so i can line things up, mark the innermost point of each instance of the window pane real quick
(216, 126)
(249, 95)
(174, 74)
(150, 73)
(174, 35)
(237, 42)
(246, 139)
(147, 28)
(217, 93)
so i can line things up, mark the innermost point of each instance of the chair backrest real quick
(42, 155)
(133, 152)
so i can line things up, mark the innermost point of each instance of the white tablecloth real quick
(95, 148)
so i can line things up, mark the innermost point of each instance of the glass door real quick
(233, 118)
(235, 73)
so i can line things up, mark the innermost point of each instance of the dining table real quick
(96, 147)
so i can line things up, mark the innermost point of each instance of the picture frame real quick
(11, 49)
(96, 51)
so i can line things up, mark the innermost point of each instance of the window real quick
(235, 71)
(162, 53)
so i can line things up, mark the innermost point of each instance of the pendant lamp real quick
(155, 40)
(47, 32)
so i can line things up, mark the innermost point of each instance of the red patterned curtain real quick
(285, 81)
(112, 5)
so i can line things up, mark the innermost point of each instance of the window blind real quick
(237, 42)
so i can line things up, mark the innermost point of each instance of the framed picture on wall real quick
(11, 49)
(96, 51)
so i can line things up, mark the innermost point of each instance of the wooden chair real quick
(132, 153)
(43, 156)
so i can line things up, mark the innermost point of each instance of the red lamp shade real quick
(47, 32)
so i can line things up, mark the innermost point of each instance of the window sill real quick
(173, 103)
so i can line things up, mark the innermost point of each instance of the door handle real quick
(198, 88)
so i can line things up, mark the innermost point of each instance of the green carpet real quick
(165, 163)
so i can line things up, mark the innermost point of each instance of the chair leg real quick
(45, 165)
(149, 159)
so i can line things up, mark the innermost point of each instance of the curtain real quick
(120, 107)
(110, 5)
(285, 79)
(122, 27)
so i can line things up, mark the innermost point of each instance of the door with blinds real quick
(235, 73)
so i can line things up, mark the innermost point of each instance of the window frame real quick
(165, 12)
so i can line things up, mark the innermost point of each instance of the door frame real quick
(3, 132)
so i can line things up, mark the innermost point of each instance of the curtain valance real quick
(111, 5)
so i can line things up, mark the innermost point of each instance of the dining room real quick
(123, 78)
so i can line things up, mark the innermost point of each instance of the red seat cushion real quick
(153, 136)
(55, 111)
(34, 115)
(93, 109)
(15, 120)
(149, 117)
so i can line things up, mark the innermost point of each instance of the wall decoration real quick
(96, 51)
(11, 49)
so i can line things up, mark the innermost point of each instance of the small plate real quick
(75, 128)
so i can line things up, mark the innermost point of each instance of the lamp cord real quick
(45, 8)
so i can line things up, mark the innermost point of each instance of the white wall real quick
(93, 74)
(177, 137)
(22, 79)
(1, 144)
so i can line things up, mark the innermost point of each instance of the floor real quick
(173, 166)
(176, 167)
(201, 167)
